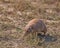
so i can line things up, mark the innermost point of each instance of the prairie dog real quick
(35, 26)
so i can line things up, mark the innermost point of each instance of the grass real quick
(15, 14)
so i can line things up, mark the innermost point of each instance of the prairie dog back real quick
(35, 25)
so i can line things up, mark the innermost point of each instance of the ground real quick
(15, 14)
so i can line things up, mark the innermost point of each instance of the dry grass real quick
(14, 15)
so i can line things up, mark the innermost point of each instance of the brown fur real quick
(35, 26)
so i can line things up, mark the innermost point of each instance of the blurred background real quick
(15, 14)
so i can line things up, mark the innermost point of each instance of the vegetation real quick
(15, 14)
